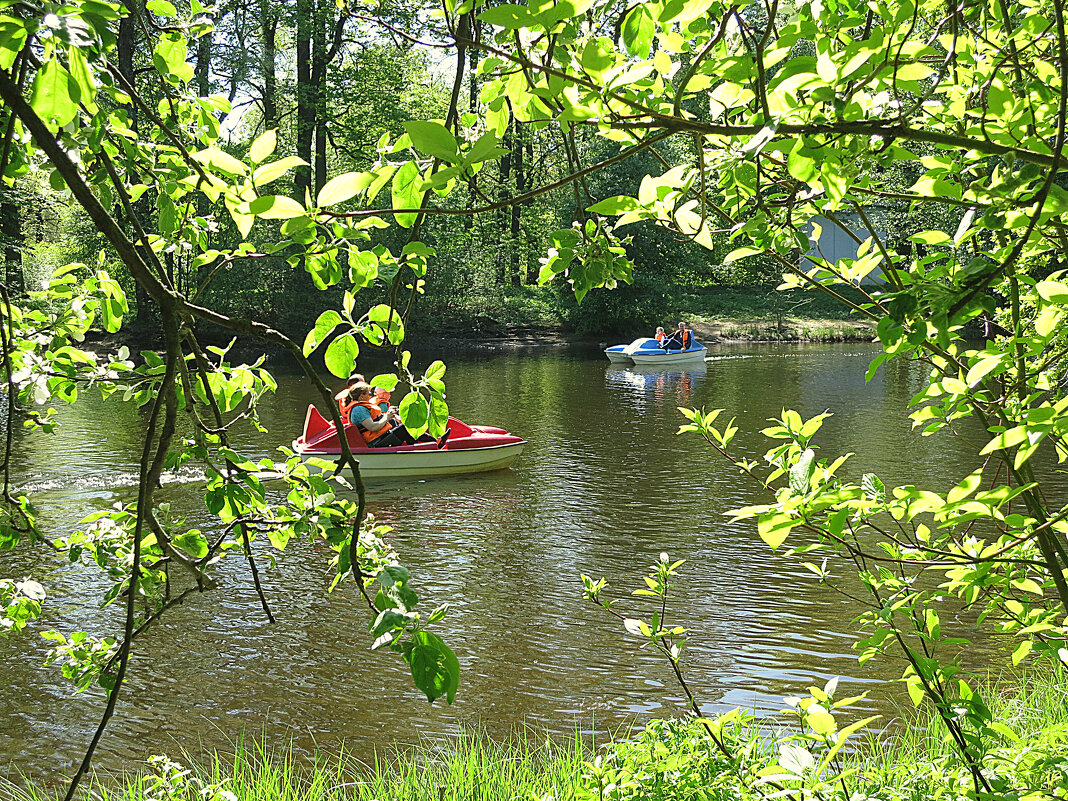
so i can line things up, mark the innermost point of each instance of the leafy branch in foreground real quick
(145, 164)
(803, 764)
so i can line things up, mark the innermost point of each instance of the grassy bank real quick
(1024, 756)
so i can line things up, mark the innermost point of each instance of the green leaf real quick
(432, 138)
(436, 370)
(276, 169)
(263, 146)
(276, 207)
(1021, 652)
(220, 160)
(435, 669)
(387, 381)
(162, 8)
(872, 486)
(54, 95)
(193, 543)
(774, 528)
(620, 204)
(508, 16)
(12, 38)
(801, 166)
(638, 30)
(485, 147)
(406, 193)
(932, 238)
(341, 355)
(414, 413)
(324, 326)
(742, 253)
(1053, 291)
(83, 78)
(342, 188)
(169, 57)
(598, 56)
(439, 417)
(384, 319)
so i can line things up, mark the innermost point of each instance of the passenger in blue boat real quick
(681, 338)
(660, 335)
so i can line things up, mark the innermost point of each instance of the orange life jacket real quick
(376, 412)
(344, 406)
(687, 339)
(660, 336)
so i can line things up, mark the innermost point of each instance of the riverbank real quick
(538, 318)
(518, 318)
(677, 760)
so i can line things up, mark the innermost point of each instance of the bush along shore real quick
(819, 750)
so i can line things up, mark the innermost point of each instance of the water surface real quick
(604, 487)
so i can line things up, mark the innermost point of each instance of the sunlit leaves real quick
(432, 138)
(263, 146)
(169, 57)
(638, 30)
(54, 95)
(274, 170)
(221, 160)
(407, 193)
(507, 15)
(343, 187)
(276, 207)
(415, 413)
(382, 324)
(341, 355)
(20, 602)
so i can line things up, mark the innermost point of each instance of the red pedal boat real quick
(469, 449)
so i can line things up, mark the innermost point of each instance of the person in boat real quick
(660, 334)
(681, 338)
(345, 399)
(381, 428)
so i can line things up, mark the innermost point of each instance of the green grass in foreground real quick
(1027, 760)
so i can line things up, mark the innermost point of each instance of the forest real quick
(335, 86)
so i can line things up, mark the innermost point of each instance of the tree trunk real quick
(203, 66)
(520, 188)
(505, 187)
(126, 46)
(533, 268)
(269, 31)
(472, 69)
(12, 238)
(323, 17)
(305, 96)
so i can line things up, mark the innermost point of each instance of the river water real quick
(604, 486)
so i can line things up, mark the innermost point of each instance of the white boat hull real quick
(617, 356)
(428, 463)
(669, 357)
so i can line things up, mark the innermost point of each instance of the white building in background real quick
(835, 244)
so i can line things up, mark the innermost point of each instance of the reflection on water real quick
(604, 486)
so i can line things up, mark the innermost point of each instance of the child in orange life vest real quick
(345, 400)
(660, 334)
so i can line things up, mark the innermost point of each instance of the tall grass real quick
(470, 767)
(670, 760)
